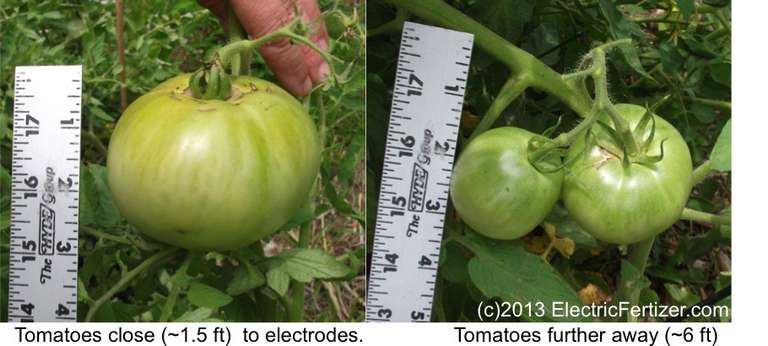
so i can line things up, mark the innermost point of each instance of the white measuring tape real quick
(44, 193)
(421, 142)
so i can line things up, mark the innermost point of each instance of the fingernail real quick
(323, 44)
(324, 70)
(307, 84)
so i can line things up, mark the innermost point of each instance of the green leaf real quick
(197, 315)
(496, 14)
(101, 114)
(375, 122)
(350, 160)
(633, 279)
(300, 217)
(5, 219)
(206, 296)
(4, 130)
(88, 197)
(681, 294)
(105, 312)
(246, 278)
(106, 212)
(567, 228)
(686, 7)
(721, 152)
(505, 270)
(278, 280)
(542, 41)
(93, 265)
(453, 263)
(75, 29)
(703, 113)
(53, 15)
(620, 28)
(631, 56)
(671, 59)
(82, 292)
(648, 296)
(304, 265)
(721, 73)
(339, 203)
(700, 48)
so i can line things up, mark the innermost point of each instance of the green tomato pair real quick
(500, 194)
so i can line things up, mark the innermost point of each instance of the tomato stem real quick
(710, 102)
(225, 54)
(214, 82)
(704, 217)
(115, 238)
(563, 139)
(241, 63)
(296, 309)
(638, 257)
(602, 103)
(96, 141)
(128, 277)
(640, 252)
(517, 60)
(602, 98)
(394, 25)
(701, 172)
(622, 128)
(514, 86)
(211, 83)
(170, 302)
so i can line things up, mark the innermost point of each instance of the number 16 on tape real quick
(44, 194)
(421, 141)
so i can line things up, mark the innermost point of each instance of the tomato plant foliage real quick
(309, 271)
(678, 65)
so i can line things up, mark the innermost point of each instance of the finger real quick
(286, 60)
(297, 67)
(318, 68)
(218, 7)
(283, 58)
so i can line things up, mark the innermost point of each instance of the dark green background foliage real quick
(681, 57)
(163, 39)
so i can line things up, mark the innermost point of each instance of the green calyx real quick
(593, 66)
(211, 83)
(214, 83)
(633, 145)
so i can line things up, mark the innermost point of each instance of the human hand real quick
(297, 67)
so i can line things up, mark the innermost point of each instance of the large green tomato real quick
(624, 205)
(212, 174)
(497, 191)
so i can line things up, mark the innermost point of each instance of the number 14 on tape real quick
(421, 141)
(44, 194)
